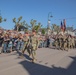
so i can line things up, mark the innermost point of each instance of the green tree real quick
(24, 26)
(1, 19)
(17, 23)
(43, 31)
(37, 27)
(55, 28)
(33, 24)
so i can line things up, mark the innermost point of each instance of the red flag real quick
(64, 24)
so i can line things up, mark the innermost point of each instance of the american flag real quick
(61, 25)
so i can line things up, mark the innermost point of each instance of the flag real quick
(64, 24)
(61, 25)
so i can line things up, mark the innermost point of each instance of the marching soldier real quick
(26, 44)
(73, 42)
(65, 42)
(57, 42)
(69, 41)
(34, 43)
(61, 42)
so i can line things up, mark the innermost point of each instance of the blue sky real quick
(38, 10)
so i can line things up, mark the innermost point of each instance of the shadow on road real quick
(38, 69)
(25, 55)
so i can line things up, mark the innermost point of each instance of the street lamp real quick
(48, 25)
(49, 16)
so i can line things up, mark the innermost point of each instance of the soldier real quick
(69, 41)
(26, 43)
(73, 42)
(57, 42)
(61, 42)
(34, 43)
(65, 42)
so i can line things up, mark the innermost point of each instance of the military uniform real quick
(25, 46)
(65, 41)
(60, 42)
(34, 43)
(69, 42)
(57, 43)
(73, 42)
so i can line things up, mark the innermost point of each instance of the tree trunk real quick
(17, 28)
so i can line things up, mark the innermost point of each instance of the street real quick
(49, 62)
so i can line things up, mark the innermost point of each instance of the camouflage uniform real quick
(65, 41)
(34, 43)
(60, 42)
(57, 43)
(69, 42)
(26, 43)
(73, 42)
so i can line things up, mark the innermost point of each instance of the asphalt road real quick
(49, 62)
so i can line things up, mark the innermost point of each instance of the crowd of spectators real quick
(11, 40)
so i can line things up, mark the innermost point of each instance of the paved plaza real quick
(49, 62)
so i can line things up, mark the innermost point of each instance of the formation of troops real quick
(65, 42)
